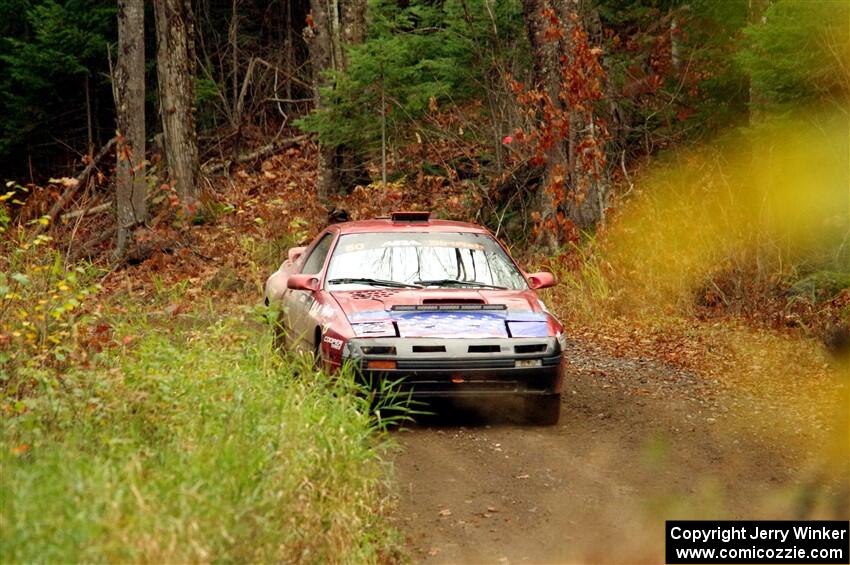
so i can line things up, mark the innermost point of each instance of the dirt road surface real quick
(638, 443)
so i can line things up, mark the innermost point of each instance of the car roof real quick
(387, 225)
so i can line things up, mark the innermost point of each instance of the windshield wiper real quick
(373, 282)
(445, 282)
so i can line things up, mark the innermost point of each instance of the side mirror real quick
(303, 282)
(295, 253)
(541, 280)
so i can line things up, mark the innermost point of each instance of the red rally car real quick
(439, 306)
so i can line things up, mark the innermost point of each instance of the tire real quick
(318, 361)
(543, 410)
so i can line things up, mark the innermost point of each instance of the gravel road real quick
(638, 442)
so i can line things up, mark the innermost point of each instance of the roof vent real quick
(410, 217)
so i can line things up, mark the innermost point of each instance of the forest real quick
(681, 166)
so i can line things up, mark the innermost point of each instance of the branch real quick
(71, 191)
(86, 250)
(86, 211)
(259, 153)
(246, 82)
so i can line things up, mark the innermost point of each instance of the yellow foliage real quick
(769, 205)
(40, 300)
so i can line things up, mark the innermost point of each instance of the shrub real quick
(42, 309)
(194, 444)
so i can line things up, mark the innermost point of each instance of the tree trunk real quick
(353, 17)
(756, 10)
(89, 132)
(335, 23)
(318, 36)
(175, 29)
(543, 51)
(288, 48)
(589, 186)
(546, 67)
(565, 186)
(131, 188)
(233, 36)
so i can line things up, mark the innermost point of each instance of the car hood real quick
(444, 313)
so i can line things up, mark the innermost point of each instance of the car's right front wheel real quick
(543, 410)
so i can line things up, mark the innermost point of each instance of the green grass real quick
(193, 443)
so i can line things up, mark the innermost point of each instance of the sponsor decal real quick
(460, 244)
(321, 312)
(333, 342)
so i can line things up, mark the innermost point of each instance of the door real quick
(298, 303)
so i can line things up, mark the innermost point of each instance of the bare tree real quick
(333, 25)
(175, 31)
(129, 88)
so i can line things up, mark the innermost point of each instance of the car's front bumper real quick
(441, 367)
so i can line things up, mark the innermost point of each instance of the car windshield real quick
(401, 259)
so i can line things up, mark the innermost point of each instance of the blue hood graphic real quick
(451, 323)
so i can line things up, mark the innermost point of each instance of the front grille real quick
(484, 349)
(429, 348)
(379, 350)
(530, 348)
(456, 364)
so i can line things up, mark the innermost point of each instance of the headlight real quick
(562, 341)
(374, 329)
(350, 350)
